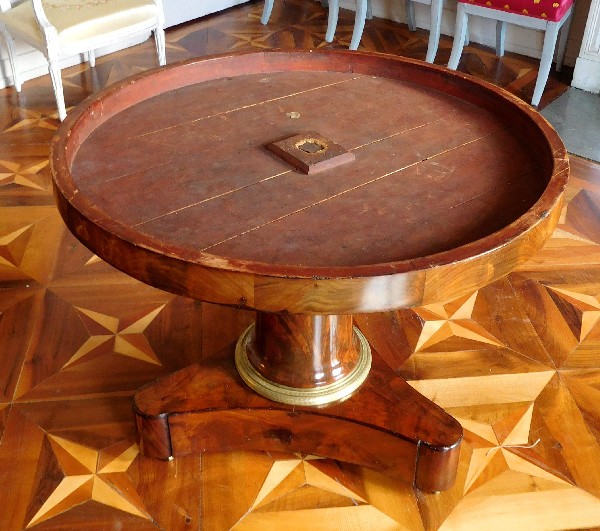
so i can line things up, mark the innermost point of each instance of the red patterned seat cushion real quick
(547, 9)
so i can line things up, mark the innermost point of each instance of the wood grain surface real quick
(515, 362)
(476, 203)
(386, 425)
(418, 205)
(303, 351)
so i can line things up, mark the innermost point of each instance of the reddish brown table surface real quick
(167, 177)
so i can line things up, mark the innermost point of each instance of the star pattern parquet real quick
(517, 363)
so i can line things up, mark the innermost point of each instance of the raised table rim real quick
(411, 282)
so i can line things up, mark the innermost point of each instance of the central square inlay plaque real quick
(311, 152)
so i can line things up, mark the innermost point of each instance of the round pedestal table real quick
(307, 186)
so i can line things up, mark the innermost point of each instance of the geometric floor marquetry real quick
(517, 362)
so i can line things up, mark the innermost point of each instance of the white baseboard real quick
(179, 11)
(587, 69)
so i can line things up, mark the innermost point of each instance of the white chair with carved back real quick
(63, 28)
(550, 16)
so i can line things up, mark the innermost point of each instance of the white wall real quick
(587, 69)
(178, 11)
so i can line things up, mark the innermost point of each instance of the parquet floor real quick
(518, 362)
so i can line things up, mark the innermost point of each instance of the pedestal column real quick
(309, 360)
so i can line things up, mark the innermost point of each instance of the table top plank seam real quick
(206, 200)
(381, 177)
(250, 106)
(270, 177)
(168, 162)
(382, 139)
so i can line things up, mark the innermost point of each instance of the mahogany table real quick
(307, 186)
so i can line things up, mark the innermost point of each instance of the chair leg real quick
(562, 42)
(500, 37)
(91, 58)
(437, 6)
(545, 62)
(54, 69)
(410, 15)
(266, 14)
(369, 10)
(359, 23)
(13, 60)
(332, 19)
(459, 36)
(159, 38)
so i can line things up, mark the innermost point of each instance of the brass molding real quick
(316, 396)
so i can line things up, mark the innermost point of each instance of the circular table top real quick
(171, 176)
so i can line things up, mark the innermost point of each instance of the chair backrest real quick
(48, 29)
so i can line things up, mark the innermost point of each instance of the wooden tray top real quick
(167, 176)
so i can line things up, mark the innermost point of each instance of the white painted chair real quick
(546, 15)
(62, 28)
(363, 11)
(437, 7)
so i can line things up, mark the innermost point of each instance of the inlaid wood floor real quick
(518, 362)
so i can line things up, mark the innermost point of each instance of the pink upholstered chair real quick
(546, 15)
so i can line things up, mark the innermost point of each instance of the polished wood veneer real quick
(475, 189)
(204, 210)
(304, 351)
(386, 425)
(514, 361)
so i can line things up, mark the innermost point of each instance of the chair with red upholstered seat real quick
(546, 15)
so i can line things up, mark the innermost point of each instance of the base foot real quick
(386, 425)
